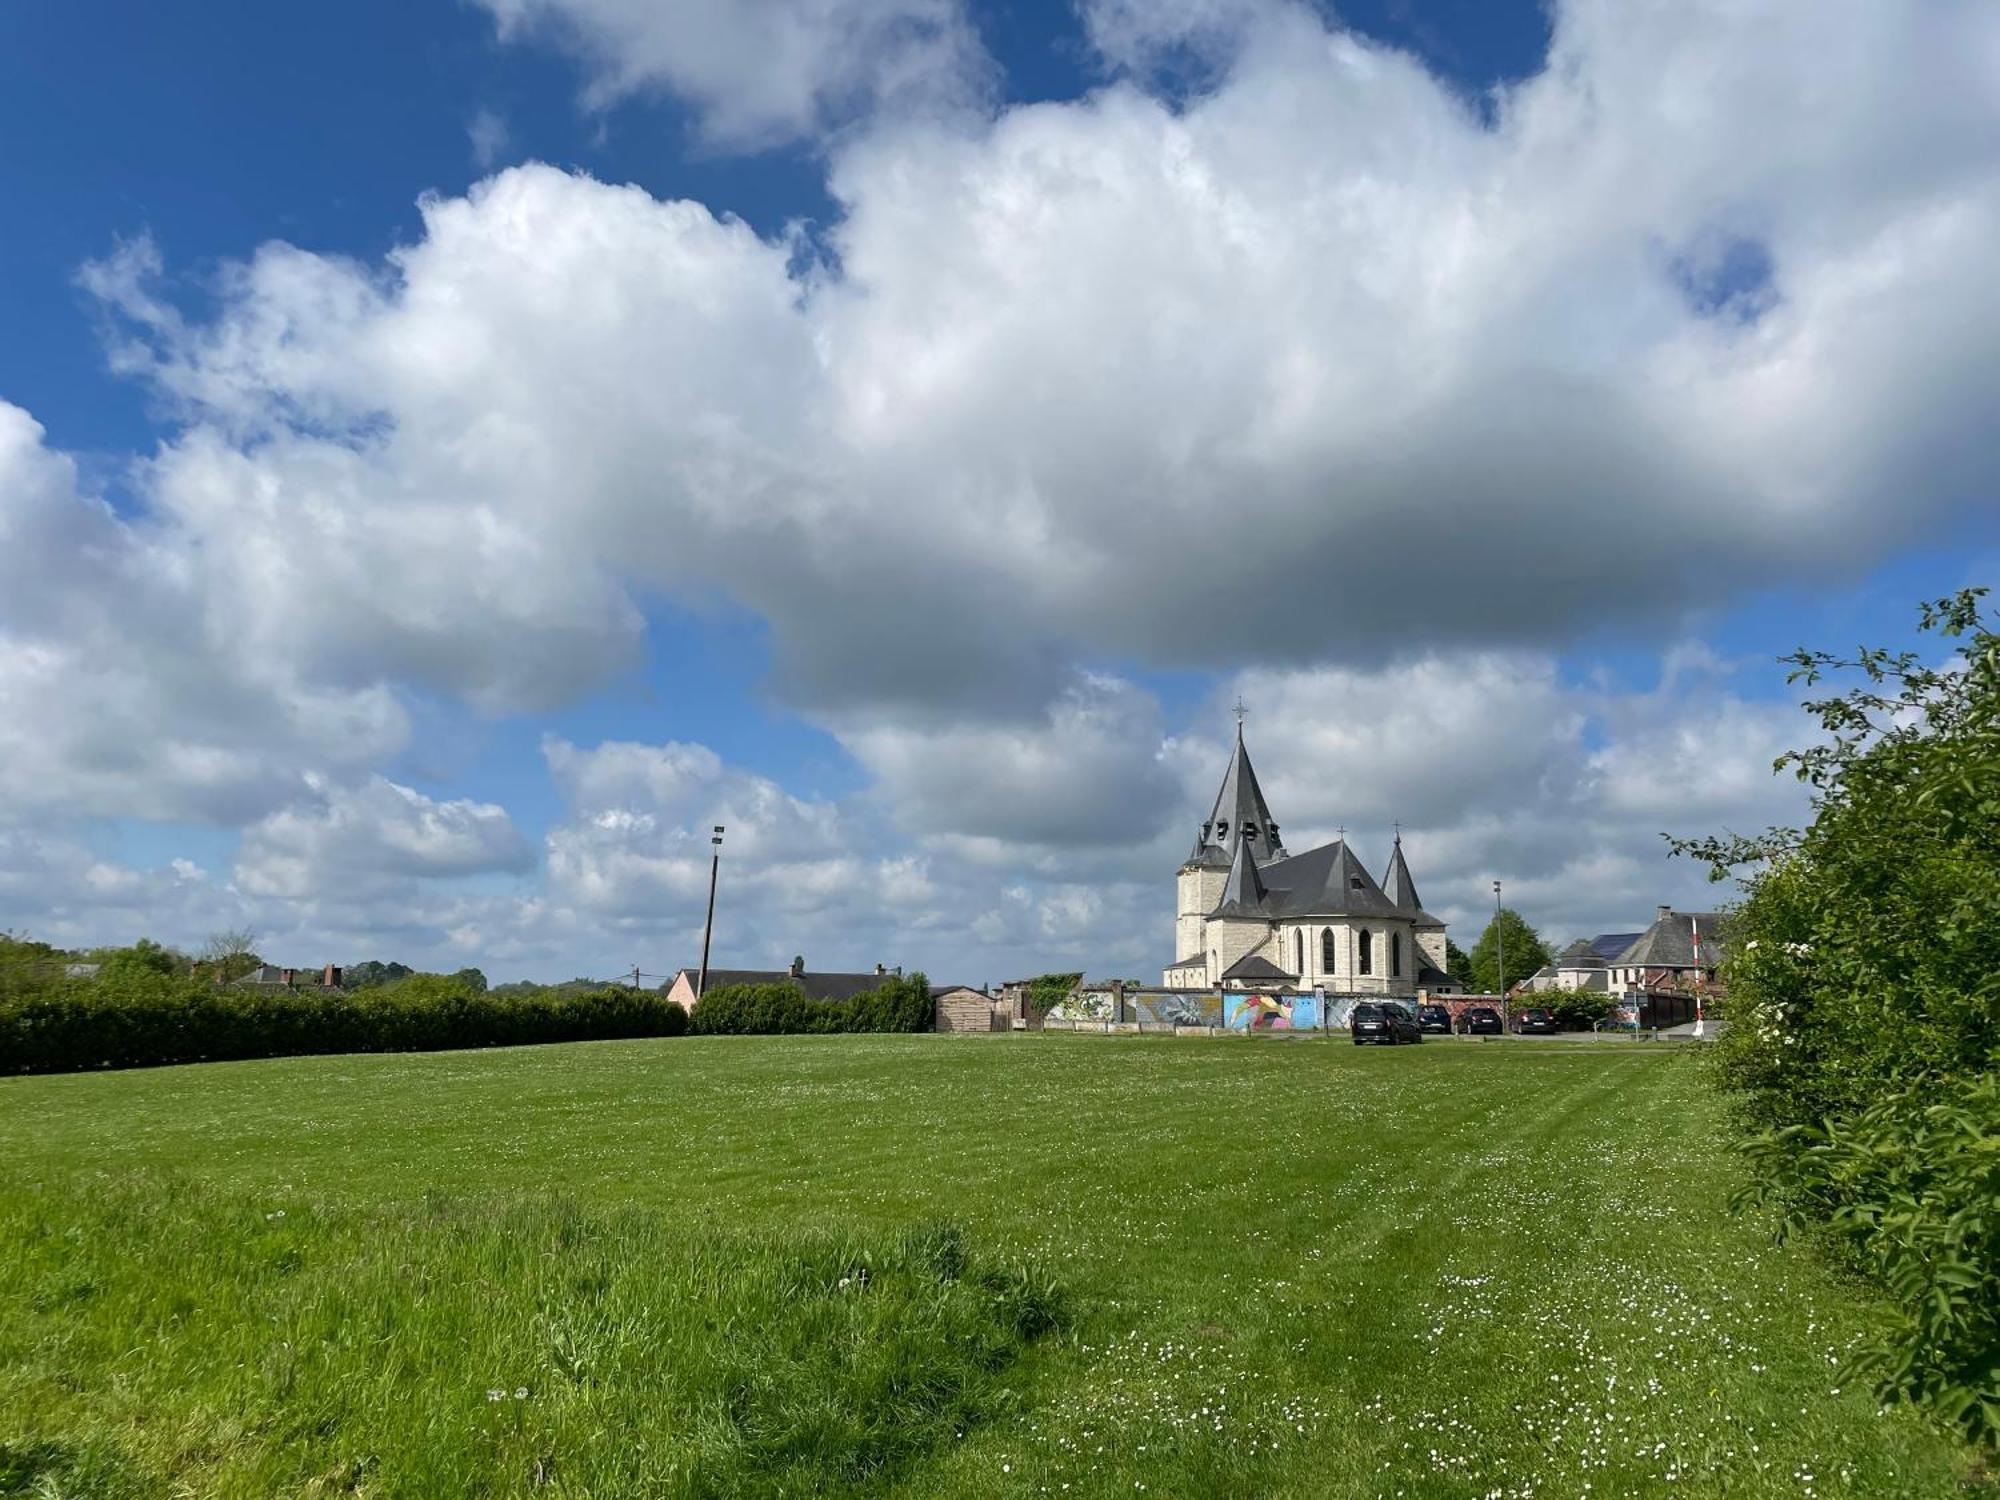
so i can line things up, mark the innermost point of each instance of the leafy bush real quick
(137, 1011)
(902, 1002)
(1864, 980)
(1577, 1010)
(1911, 1185)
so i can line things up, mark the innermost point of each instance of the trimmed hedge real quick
(900, 1003)
(131, 1015)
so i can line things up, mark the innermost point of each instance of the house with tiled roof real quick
(1681, 950)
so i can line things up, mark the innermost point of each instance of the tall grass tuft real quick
(156, 1337)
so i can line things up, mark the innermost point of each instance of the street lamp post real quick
(708, 927)
(1500, 938)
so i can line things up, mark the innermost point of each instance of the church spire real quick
(1240, 813)
(1397, 884)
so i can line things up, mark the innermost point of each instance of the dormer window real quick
(1222, 829)
(1354, 882)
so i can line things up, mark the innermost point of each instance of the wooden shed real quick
(959, 1007)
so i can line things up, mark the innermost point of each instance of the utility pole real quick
(1500, 938)
(708, 927)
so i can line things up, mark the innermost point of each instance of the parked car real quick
(1535, 1022)
(1480, 1020)
(1385, 1024)
(1435, 1019)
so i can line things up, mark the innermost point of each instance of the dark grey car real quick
(1383, 1024)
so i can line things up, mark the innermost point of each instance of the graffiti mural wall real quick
(1272, 1012)
(1175, 1008)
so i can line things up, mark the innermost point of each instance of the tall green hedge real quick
(1864, 1003)
(902, 1002)
(136, 1013)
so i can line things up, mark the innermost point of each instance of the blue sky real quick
(1073, 369)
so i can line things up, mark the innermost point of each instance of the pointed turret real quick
(1400, 888)
(1243, 896)
(1239, 813)
(1396, 883)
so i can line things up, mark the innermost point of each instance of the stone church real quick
(1252, 916)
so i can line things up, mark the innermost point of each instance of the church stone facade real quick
(1253, 916)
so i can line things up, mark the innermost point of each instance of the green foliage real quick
(902, 1002)
(472, 979)
(371, 972)
(1526, 952)
(1911, 1184)
(1458, 963)
(1047, 991)
(1576, 1010)
(456, 1347)
(1864, 985)
(142, 1008)
(229, 955)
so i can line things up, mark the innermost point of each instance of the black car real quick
(1434, 1018)
(1535, 1022)
(1480, 1020)
(1387, 1024)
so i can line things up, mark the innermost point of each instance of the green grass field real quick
(1173, 1266)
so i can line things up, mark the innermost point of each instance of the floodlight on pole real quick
(1500, 938)
(708, 927)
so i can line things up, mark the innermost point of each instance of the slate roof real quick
(1240, 812)
(1669, 943)
(816, 986)
(1327, 881)
(1579, 955)
(1402, 890)
(1244, 895)
(1254, 967)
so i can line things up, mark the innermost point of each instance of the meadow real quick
(919, 1266)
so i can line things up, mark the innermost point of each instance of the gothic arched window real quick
(1396, 954)
(1326, 950)
(1367, 952)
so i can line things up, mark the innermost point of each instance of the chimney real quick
(1664, 913)
(331, 979)
(797, 968)
(881, 969)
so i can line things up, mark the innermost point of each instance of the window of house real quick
(1326, 950)
(1299, 952)
(1396, 954)
(1367, 960)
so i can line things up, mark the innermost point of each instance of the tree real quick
(371, 972)
(1458, 964)
(472, 979)
(1526, 952)
(230, 954)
